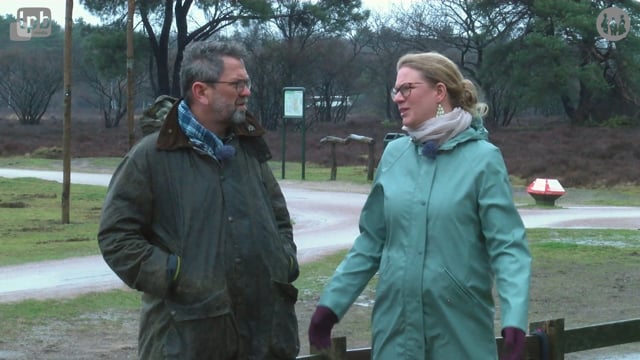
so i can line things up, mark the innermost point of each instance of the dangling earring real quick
(439, 110)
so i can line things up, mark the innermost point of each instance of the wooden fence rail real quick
(557, 341)
(565, 341)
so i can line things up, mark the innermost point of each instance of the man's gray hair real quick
(202, 61)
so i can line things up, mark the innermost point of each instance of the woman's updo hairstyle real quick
(436, 68)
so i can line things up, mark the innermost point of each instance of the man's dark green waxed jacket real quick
(227, 223)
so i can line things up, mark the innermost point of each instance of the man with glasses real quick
(196, 221)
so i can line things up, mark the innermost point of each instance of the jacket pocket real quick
(212, 306)
(458, 287)
(284, 343)
(202, 330)
(210, 338)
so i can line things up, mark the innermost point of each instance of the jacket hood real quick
(476, 131)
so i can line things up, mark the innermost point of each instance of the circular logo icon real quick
(613, 24)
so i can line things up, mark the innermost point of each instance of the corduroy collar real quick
(171, 136)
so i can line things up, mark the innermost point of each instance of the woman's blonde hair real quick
(436, 68)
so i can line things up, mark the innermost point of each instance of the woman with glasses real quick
(440, 228)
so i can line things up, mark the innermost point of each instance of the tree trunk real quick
(581, 114)
(160, 46)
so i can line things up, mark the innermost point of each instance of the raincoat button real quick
(230, 218)
(238, 260)
(423, 203)
(173, 313)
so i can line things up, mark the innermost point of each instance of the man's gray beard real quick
(238, 117)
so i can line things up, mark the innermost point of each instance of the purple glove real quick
(322, 322)
(514, 344)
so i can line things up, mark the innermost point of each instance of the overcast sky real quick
(58, 8)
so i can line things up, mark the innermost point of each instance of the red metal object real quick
(545, 191)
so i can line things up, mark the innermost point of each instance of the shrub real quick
(52, 152)
(619, 121)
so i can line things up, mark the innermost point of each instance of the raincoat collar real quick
(475, 131)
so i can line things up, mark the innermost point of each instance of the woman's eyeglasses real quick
(404, 89)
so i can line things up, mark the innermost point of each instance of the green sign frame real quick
(293, 110)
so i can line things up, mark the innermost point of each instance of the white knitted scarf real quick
(440, 128)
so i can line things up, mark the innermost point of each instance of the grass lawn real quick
(31, 226)
(568, 265)
(564, 269)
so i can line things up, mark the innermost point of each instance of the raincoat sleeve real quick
(506, 242)
(362, 261)
(283, 220)
(126, 212)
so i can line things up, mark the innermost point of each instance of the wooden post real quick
(130, 76)
(334, 162)
(555, 331)
(333, 140)
(371, 162)
(66, 128)
(337, 351)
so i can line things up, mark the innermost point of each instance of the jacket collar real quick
(171, 136)
(476, 131)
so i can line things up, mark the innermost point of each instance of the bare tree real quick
(103, 66)
(27, 83)
(158, 18)
(335, 78)
(465, 31)
(385, 43)
(290, 49)
(110, 96)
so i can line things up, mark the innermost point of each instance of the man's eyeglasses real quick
(240, 85)
(404, 89)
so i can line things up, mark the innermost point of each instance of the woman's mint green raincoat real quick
(439, 232)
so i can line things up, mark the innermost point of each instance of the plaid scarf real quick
(198, 135)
